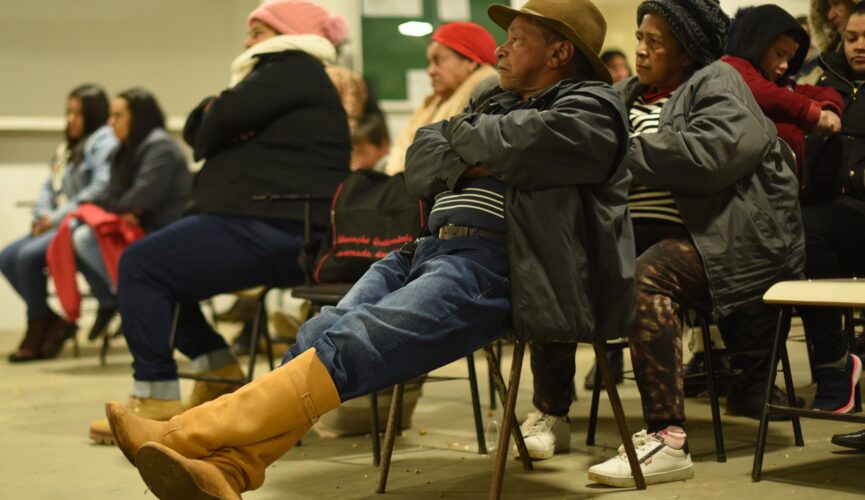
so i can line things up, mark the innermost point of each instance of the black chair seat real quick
(322, 294)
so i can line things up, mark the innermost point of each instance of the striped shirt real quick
(645, 202)
(476, 203)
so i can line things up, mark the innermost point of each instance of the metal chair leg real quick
(389, 437)
(791, 392)
(851, 337)
(502, 391)
(616, 403)
(476, 404)
(593, 410)
(780, 337)
(374, 431)
(720, 454)
(508, 424)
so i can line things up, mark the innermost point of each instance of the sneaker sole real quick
(545, 454)
(683, 474)
(857, 371)
(166, 478)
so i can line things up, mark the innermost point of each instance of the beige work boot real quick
(153, 409)
(203, 392)
(277, 408)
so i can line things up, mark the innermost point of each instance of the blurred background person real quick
(617, 63)
(149, 186)
(79, 174)
(460, 57)
(370, 143)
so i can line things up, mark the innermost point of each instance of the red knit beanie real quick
(469, 39)
(299, 17)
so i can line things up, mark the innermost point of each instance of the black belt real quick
(449, 231)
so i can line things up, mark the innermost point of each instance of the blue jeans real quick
(406, 317)
(186, 262)
(23, 264)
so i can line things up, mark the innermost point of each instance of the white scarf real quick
(314, 45)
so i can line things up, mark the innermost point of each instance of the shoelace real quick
(536, 423)
(643, 442)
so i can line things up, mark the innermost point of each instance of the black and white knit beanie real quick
(700, 26)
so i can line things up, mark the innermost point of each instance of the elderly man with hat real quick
(530, 229)
(460, 59)
(716, 221)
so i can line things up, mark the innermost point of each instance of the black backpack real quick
(371, 215)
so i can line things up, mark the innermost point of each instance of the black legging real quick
(835, 248)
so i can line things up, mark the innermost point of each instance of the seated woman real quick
(279, 128)
(149, 187)
(715, 208)
(835, 219)
(80, 172)
(460, 57)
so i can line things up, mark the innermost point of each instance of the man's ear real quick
(562, 54)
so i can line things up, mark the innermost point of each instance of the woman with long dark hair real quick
(79, 174)
(148, 188)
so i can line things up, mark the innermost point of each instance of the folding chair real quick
(508, 395)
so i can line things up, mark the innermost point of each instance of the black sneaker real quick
(617, 362)
(100, 325)
(836, 389)
(749, 402)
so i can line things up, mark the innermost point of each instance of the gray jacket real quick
(733, 181)
(570, 239)
(160, 186)
(86, 181)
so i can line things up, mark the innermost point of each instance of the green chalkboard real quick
(387, 54)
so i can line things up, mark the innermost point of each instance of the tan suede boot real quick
(203, 392)
(225, 474)
(288, 399)
(141, 408)
(169, 475)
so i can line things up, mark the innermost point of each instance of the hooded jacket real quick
(794, 109)
(569, 233)
(822, 31)
(732, 180)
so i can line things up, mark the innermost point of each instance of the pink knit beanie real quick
(299, 17)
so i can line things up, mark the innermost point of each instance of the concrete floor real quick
(45, 452)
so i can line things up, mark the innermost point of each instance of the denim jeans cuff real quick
(157, 389)
(213, 360)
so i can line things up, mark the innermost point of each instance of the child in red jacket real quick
(766, 45)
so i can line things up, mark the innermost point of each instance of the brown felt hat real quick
(577, 20)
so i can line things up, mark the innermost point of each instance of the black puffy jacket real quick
(299, 142)
(835, 164)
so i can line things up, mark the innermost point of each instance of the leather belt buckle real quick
(449, 231)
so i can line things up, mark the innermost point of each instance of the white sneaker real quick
(659, 463)
(545, 435)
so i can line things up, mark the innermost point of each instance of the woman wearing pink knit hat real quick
(278, 128)
(460, 57)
